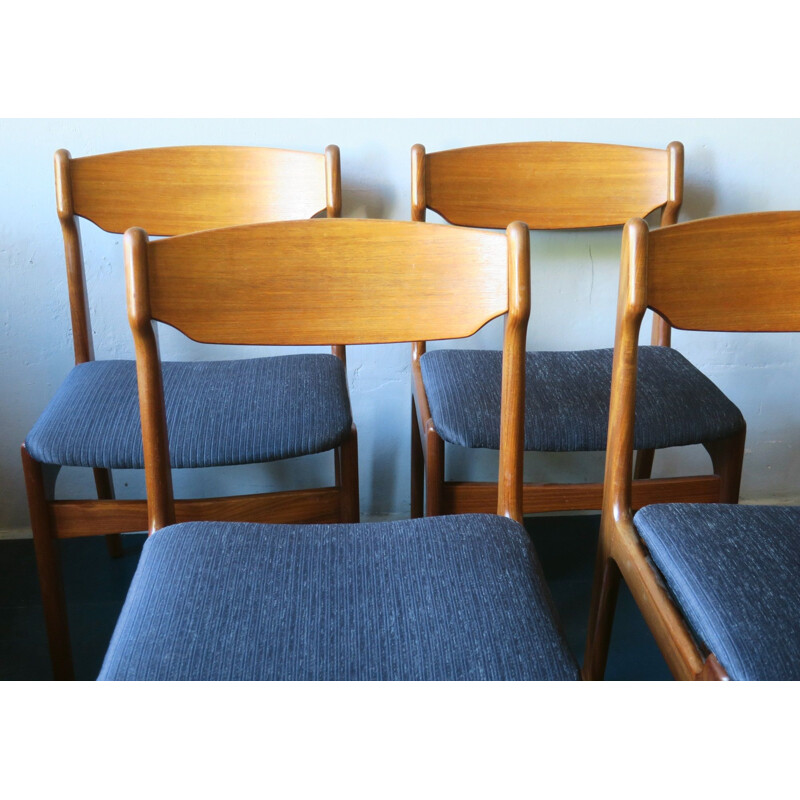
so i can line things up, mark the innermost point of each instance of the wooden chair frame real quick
(168, 281)
(173, 191)
(736, 273)
(549, 185)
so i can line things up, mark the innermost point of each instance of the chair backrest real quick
(732, 273)
(176, 190)
(549, 185)
(743, 273)
(315, 281)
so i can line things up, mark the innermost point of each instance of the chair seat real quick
(567, 399)
(218, 412)
(447, 598)
(734, 571)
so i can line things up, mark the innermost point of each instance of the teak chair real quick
(446, 598)
(93, 420)
(456, 393)
(716, 583)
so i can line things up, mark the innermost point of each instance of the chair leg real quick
(434, 473)
(712, 671)
(605, 589)
(417, 466)
(47, 561)
(727, 456)
(105, 491)
(643, 468)
(349, 478)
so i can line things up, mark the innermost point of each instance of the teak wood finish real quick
(736, 273)
(549, 185)
(289, 298)
(173, 191)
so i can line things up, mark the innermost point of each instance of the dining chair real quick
(456, 392)
(296, 404)
(716, 583)
(449, 598)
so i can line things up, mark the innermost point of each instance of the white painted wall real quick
(731, 166)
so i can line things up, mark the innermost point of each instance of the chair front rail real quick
(465, 497)
(77, 518)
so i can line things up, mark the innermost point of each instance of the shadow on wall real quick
(366, 201)
(368, 188)
(699, 199)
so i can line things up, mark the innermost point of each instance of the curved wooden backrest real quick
(175, 190)
(316, 281)
(547, 185)
(733, 273)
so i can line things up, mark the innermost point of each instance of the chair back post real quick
(669, 214)
(631, 305)
(76, 280)
(662, 332)
(512, 406)
(158, 475)
(418, 208)
(333, 181)
(418, 198)
(333, 198)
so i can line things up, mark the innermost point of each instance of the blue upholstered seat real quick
(218, 412)
(446, 598)
(734, 572)
(567, 399)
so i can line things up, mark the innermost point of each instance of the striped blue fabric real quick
(734, 572)
(218, 412)
(445, 598)
(567, 398)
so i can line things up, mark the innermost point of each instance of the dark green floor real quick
(96, 587)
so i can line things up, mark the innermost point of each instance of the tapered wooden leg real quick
(727, 456)
(601, 614)
(434, 473)
(417, 466)
(47, 561)
(105, 491)
(339, 351)
(643, 467)
(349, 477)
